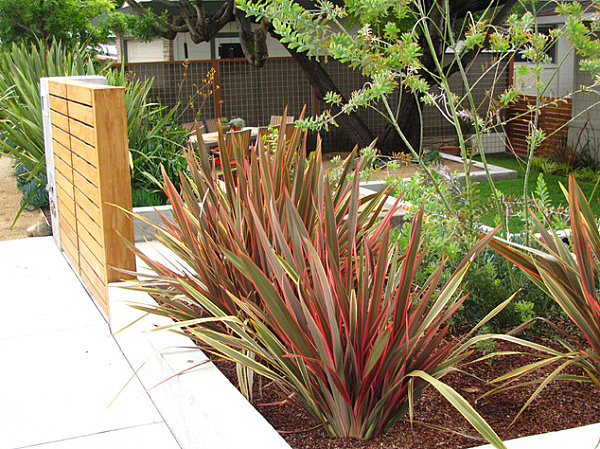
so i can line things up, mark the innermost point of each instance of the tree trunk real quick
(409, 122)
(320, 81)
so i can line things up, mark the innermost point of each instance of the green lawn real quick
(514, 187)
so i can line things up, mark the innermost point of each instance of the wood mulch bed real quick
(561, 405)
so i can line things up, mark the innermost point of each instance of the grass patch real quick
(514, 187)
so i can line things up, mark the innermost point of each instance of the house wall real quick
(182, 47)
(153, 51)
(584, 130)
(558, 77)
(564, 78)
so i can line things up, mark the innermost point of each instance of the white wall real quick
(558, 77)
(154, 51)
(195, 51)
(202, 51)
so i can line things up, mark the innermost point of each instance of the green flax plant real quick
(297, 281)
(567, 272)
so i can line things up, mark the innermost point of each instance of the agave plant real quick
(567, 273)
(307, 289)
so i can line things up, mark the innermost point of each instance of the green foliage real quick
(488, 281)
(21, 67)
(432, 157)
(160, 147)
(152, 139)
(306, 289)
(140, 197)
(568, 272)
(67, 21)
(34, 197)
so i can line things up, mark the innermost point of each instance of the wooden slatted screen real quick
(554, 115)
(89, 133)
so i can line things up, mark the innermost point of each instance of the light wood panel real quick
(89, 130)
(553, 117)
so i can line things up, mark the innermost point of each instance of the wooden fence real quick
(554, 116)
(89, 133)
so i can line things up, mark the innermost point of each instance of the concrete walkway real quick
(61, 368)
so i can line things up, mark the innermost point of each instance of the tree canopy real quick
(69, 21)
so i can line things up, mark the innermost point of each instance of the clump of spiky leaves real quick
(568, 273)
(307, 288)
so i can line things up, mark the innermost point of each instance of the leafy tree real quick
(68, 21)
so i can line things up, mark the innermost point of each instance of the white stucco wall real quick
(153, 51)
(558, 77)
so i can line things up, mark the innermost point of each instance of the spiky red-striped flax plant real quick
(569, 274)
(311, 293)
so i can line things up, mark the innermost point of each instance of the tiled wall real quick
(256, 94)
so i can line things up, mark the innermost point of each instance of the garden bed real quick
(189, 406)
(10, 198)
(561, 406)
(454, 164)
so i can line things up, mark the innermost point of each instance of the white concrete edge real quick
(201, 407)
(585, 437)
(497, 173)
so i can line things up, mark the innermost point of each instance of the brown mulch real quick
(561, 405)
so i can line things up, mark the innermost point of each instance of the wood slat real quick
(88, 206)
(85, 151)
(61, 137)
(70, 250)
(86, 187)
(95, 287)
(69, 231)
(57, 88)
(64, 195)
(88, 223)
(90, 241)
(79, 93)
(82, 132)
(59, 120)
(64, 169)
(67, 213)
(95, 264)
(86, 170)
(63, 153)
(81, 112)
(113, 169)
(58, 104)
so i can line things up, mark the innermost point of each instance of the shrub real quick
(296, 280)
(568, 273)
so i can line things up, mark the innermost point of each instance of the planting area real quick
(562, 405)
(390, 168)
